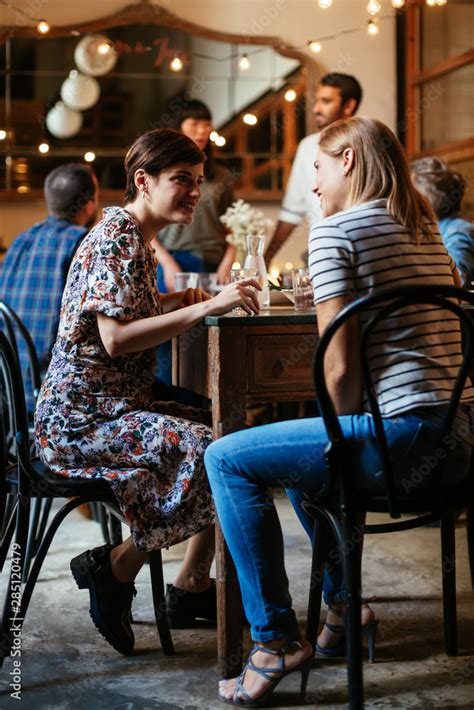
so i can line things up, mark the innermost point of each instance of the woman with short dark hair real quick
(96, 416)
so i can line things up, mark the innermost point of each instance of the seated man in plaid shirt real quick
(36, 265)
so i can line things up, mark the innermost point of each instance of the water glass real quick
(186, 279)
(238, 275)
(208, 283)
(302, 290)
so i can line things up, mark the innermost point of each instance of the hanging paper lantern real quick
(63, 122)
(80, 92)
(95, 55)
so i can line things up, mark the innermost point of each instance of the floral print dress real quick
(96, 417)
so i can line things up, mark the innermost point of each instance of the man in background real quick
(338, 96)
(36, 265)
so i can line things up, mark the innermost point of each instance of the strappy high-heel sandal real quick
(268, 673)
(339, 650)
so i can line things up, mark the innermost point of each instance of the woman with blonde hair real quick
(378, 232)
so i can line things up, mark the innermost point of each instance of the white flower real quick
(243, 220)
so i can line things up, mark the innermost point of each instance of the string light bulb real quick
(250, 119)
(372, 28)
(373, 7)
(324, 4)
(176, 64)
(213, 135)
(89, 157)
(431, 3)
(398, 4)
(104, 48)
(244, 63)
(440, 3)
(315, 47)
(43, 148)
(42, 27)
(3, 134)
(220, 141)
(290, 95)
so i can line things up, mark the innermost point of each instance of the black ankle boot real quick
(110, 599)
(183, 608)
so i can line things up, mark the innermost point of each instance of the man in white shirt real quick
(338, 96)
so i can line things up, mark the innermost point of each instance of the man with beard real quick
(338, 96)
(36, 265)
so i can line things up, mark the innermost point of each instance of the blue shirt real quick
(32, 281)
(458, 238)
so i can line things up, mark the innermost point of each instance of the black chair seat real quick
(56, 486)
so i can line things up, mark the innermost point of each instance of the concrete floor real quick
(66, 664)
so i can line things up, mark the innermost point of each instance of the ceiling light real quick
(43, 27)
(244, 63)
(372, 27)
(315, 47)
(324, 4)
(250, 119)
(176, 64)
(373, 7)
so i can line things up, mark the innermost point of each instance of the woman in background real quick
(200, 246)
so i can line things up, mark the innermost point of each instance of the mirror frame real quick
(146, 13)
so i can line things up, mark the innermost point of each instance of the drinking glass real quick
(238, 275)
(208, 282)
(302, 290)
(186, 279)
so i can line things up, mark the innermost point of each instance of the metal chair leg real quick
(352, 575)
(31, 544)
(7, 538)
(115, 527)
(321, 536)
(448, 561)
(470, 538)
(159, 604)
(12, 617)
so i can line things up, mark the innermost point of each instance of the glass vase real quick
(255, 260)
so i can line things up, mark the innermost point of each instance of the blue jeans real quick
(242, 466)
(188, 262)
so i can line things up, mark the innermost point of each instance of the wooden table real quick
(237, 362)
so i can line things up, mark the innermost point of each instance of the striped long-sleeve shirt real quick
(364, 249)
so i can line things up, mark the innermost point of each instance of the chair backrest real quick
(384, 304)
(17, 421)
(14, 327)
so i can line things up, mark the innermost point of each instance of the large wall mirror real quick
(257, 90)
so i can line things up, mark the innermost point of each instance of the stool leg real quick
(352, 576)
(470, 538)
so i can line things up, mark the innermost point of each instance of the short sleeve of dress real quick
(120, 277)
(330, 260)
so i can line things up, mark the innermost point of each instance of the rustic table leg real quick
(227, 388)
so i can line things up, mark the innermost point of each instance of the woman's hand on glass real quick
(194, 295)
(241, 293)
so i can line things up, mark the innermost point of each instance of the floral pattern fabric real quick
(96, 417)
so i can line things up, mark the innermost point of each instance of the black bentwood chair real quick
(28, 478)
(14, 328)
(338, 515)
